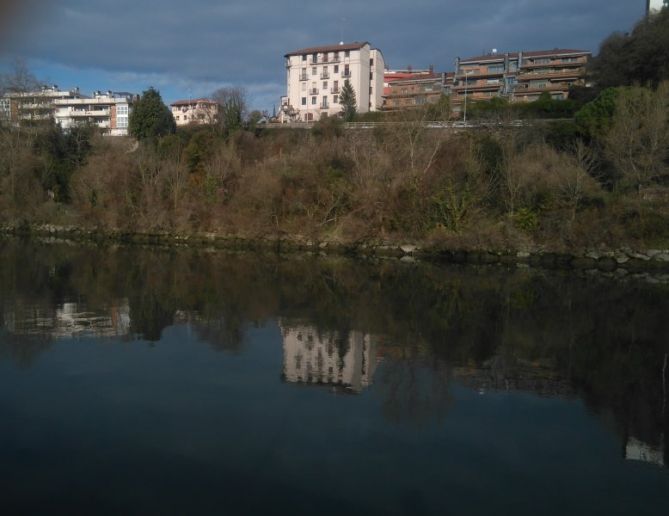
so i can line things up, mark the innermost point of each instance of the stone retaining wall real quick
(624, 259)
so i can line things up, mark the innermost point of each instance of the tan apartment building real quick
(194, 111)
(518, 76)
(316, 75)
(405, 89)
(33, 107)
(107, 111)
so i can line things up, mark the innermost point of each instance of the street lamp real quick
(467, 74)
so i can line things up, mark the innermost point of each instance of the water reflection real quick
(343, 359)
(409, 335)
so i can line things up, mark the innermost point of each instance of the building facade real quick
(340, 360)
(405, 89)
(518, 76)
(33, 107)
(315, 77)
(655, 6)
(108, 111)
(194, 111)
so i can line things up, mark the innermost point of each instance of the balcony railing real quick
(304, 77)
(346, 74)
(313, 91)
(325, 75)
(325, 105)
(335, 91)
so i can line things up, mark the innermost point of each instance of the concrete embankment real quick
(623, 260)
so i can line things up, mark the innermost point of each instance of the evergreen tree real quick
(150, 117)
(641, 57)
(348, 102)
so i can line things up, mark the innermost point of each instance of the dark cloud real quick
(243, 41)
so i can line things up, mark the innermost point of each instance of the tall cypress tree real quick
(150, 117)
(348, 102)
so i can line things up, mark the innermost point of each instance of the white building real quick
(194, 111)
(346, 361)
(108, 111)
(655, 6)
(33, 107)
(315, 77)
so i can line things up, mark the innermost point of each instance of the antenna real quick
(342, 21)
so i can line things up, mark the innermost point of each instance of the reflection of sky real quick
(175, 426)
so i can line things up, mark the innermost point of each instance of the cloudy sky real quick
(190, 48)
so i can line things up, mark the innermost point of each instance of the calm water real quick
(155, 382)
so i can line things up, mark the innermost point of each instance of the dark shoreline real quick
(628, 260)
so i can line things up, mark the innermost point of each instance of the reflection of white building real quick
(644, 452)
(69, 320)
(346, 360)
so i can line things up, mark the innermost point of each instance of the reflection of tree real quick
(605, 338)
(23, 349)
(414, 391)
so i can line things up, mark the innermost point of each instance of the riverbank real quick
(625, 259)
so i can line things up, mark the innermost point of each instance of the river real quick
(154, 381)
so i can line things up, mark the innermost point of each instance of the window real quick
(304, 86)
(304, 101)
(347, 71)
(177, 117)
(335, 99)
(314, 71)
(371, 76)
(314, 58)
(325, 85)
(336, 69)
(498, 68)
(325, 101)
(371, 61)
(347, 53)
(314, 100)
(304, 57)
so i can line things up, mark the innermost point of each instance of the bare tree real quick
(638, 141)
(232, 107)
(19, 79)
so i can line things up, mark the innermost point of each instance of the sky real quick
(188, 49)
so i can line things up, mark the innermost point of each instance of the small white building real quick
(316, 75)
(194, 111)
(107, 111)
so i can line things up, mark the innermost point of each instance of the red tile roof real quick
(356, 45)
(192, 102)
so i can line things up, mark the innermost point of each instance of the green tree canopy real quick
(348, 101)
(640, 57)
(150, 117)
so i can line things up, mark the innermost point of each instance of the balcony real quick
(324, 105)
(325, 75)
(313, 91)
(89, 112)
(335, 91)
(304, 77)
(346, 74)
(558, 74)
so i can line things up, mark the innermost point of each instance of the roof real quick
(356, 45)
(499, 56)
(190, 102)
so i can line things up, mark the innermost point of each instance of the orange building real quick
(518, 76)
